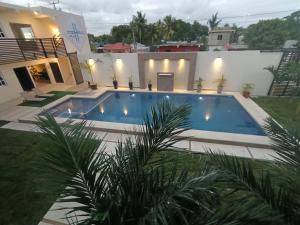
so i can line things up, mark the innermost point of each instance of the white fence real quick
(239, 67)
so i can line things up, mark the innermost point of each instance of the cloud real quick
(101, 15)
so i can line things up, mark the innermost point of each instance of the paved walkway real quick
(111, 139)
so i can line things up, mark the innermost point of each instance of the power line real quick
(205, 19)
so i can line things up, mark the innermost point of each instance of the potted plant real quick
(115, 81)
(88, 65)
(130, 83)
(221, 83)
(150, 85)
(199, 84)
(247, 87)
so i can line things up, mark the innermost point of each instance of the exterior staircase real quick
(285, 87)
(289, 55)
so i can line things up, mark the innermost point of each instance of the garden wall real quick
(239, 67)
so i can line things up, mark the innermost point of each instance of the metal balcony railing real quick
(14, 50)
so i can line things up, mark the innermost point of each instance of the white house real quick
(39, 46)
(219, 37)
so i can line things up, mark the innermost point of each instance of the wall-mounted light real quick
(218, 63)
(101, 109)
(166, 64)
(125, 112)
(218, 60)
(207, 116)
(55, 31)
(119, 63)
(35, 13)
(181, 64)
(91, 62)
(151, 63)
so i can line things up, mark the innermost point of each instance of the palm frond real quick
(74, 162)
(241, 180)
(286, 142)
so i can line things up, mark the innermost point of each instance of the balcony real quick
(20, 50)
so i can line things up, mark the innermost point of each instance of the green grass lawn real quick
(25, 193)
(286, 110)
(58, 94)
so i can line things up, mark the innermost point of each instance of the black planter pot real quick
(150, 87)
(115, 83)
(130, 84)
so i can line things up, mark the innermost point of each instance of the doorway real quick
(56, 72)
(24, 78)
(39, 74)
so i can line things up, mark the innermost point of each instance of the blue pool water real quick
(209, 112)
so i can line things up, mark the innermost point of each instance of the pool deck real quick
(245, 146)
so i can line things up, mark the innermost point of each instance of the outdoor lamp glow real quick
(218, 63)
(119, 63)
(91, 62)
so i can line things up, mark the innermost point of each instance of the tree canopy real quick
(266, 34)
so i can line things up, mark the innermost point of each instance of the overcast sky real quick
(101, 15)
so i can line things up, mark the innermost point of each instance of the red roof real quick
(117, 46)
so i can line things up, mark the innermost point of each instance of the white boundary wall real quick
(239, 67)
(124, 64)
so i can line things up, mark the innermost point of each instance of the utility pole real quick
(54, 3)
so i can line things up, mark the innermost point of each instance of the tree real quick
(152, 34)
(238, 31)
(138, 24)
(121, 33)
(293, 25)
(214, 21)
(182, 31)
(169, 25)
(104, 39)
(266, 34)
(198, 31)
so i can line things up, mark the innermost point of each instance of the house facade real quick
(38, 47)
(219, 38)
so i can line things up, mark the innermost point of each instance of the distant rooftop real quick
(117, 46)
(222, 29)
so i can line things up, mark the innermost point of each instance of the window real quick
(2, 35)
(22, 30)
(2, 81)
(27, 32)
(220, 36)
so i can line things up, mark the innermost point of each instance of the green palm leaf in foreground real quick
(269, 195)
(141, 184)
(136, 185)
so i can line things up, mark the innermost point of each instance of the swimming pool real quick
(209, 112)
